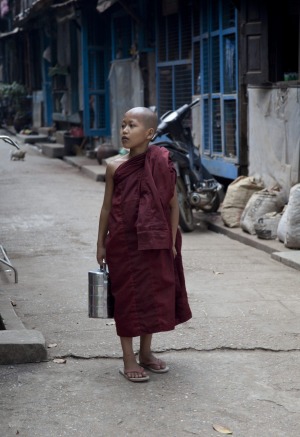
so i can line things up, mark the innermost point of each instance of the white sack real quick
(237, 195)
(292, 237)
(281, 230)
(260, 203)
(267, 225)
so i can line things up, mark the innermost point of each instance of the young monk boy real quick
(139, 239)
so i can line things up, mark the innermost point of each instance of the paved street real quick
(235, 364)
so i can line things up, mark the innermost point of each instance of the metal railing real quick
(8, 140)
(5, 260)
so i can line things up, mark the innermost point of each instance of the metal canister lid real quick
(96, 276)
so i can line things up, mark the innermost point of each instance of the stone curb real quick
(238, 236)
(288, 258)
(18, 344)
(275, 248)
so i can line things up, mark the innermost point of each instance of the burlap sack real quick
(237, 195)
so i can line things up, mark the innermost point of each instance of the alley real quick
(235, 364)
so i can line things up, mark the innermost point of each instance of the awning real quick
(64, 4)
(102, 5)
(12, 32)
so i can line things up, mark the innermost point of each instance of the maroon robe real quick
(147, 282)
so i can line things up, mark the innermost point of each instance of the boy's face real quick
(133, 131)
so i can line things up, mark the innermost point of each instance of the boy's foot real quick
(135, 375)
(155, 365)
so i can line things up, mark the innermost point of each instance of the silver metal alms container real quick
(100, 302)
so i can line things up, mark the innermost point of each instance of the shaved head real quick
(145, 115)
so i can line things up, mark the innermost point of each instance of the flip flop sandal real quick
(150, 367)
(140, 379)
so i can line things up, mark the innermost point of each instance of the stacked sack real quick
(262, 213)
(289, 224)
(265, 212)
(237, 195)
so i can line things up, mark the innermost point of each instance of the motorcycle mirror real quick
(194, 102)
(170, 117)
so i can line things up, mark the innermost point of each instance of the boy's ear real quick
(150, 133)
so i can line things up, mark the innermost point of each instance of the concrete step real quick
(88, 166)
(96, 173)
(52, 150)
(31, 139)
(18, 344)
(46, 130)
(81, 161)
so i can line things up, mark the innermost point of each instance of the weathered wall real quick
(274, 134)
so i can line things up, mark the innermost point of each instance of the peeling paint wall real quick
(274, 135)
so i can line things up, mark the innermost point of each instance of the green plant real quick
(15, 105)
(12, 95)
(58, 70)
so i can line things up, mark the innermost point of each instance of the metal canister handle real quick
(104, 268)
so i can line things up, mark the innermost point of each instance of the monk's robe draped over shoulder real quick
(147, 282)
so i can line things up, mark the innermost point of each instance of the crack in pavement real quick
(217, 349)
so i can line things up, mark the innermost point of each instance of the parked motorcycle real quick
(197, 189)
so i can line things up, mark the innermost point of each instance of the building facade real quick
(84, 62)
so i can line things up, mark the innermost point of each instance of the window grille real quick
(122, 36)
(215, 75)
(96, 114)
(174, 59)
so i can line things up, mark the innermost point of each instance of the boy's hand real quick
(174, 251)
(101, 255)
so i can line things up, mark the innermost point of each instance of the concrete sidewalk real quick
(21, 345)
(236, 363)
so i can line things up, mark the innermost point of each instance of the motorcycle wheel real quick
(214, 205)
(186, 218)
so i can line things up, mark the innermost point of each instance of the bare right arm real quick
(104, 214)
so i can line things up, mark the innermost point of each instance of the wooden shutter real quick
(254, 42)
